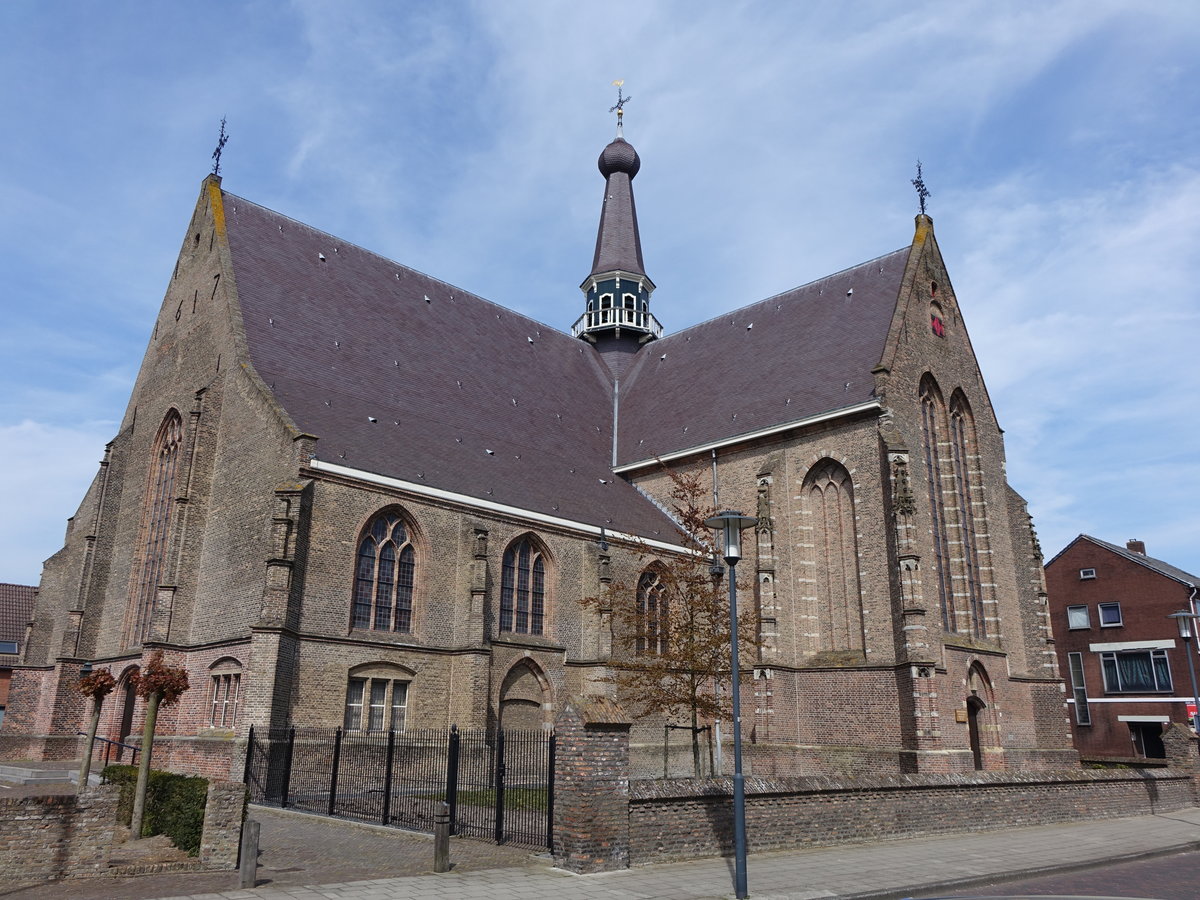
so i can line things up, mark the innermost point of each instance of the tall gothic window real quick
(967, 491)
(933, 432)
(384, 576)
(157, 513)
(652, 623)
(523, 589)
(829, 499)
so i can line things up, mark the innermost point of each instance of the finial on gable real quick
(222, 140)
(619, 107)
(922, 191)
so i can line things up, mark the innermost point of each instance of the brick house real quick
(16, 609)
(347, 493)
(1120, 653)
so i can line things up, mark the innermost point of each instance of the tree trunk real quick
(85, 767)
(139, 795)
(695, 743)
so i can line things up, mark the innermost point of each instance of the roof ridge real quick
(348, 243)
(791, 290)
(1150, 562)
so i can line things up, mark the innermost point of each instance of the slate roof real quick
(618, 243)
(16, 609)
(803, 352)
(400, 374)
(1157, 565)
(446, 375)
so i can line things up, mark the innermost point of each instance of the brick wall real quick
(52, 836)
(679, 819)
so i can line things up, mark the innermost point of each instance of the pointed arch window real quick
(967, 490)
(653, 630)
(523, 589)
(157, 514)
(933, 430)
(384, 576)
(829, 498)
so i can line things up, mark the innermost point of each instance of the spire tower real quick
(617, 317)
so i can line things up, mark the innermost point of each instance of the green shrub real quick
(174, 804)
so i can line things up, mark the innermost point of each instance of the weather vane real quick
(922, 191)
(222, 140)
(619, 108)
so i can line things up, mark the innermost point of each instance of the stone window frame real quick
(158, 506)
(225, 693)
(367, 613)
(652, 613)
(386, 683)
(525, 579)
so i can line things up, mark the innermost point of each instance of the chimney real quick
(1136, 547)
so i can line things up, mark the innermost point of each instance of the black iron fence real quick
(498, 784)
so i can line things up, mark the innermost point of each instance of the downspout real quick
(616, 414)
(716, 483)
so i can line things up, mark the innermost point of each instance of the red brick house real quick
(1127, 675)
(347, 493)
(16, 611)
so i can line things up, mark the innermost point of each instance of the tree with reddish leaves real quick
(159, 685)
(671, 640)
(97, 685)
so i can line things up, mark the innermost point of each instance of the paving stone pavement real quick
(885, 870)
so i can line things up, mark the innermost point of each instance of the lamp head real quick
(729, 525)
(1183, 619)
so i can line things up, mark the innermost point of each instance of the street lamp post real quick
(729, 525)
(1184, 620)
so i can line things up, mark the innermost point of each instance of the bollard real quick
(248, 860)
(441, 839)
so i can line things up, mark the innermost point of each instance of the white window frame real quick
(1087, 574)
(1083, 715)
(372, 707)
(1073, 614)
(1111, 605)
(1111, 657)
(225, 698)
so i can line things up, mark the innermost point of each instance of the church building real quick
(345, 493)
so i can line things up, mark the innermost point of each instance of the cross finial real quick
(619, 107)
(222, 140)
(922, 191)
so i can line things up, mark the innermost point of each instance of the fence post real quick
(287, 766)
(552, 747)
(387, 777)
(333, 775)
(452, 753)
(249, 756)
(499, 831)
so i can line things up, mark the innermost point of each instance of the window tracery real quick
(385, 574)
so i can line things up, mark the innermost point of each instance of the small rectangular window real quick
(354, 704)
(8, 646)
(399, 704)
(378, 705)
(1087, 574)
(1110, 614)
(1077, 617)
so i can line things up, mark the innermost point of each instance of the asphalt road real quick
(1174, 877)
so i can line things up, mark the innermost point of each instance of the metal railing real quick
(498, 784)
(106, 755)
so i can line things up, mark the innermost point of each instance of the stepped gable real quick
(343, 336)
(804, 352)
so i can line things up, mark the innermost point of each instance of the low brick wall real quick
(56, 835)
(686, 818)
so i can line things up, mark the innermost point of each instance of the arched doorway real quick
(982, 725)
(127, 692)
(525, 699)
(974, 706)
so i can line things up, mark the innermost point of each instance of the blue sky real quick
(1060, 141)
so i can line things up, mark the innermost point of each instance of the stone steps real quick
(23, 774)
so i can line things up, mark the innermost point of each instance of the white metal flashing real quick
(1168, 644)
(749, 436)
(425, 490)
(1161, 719)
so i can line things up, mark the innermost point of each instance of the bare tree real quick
(671, 640)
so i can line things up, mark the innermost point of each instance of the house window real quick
(384, 576)
(523, 589)
(1087, 574)
(652, 623)
(375, 705)
(226, 692)
(1136, 670)
(8, 646)
(1083, 715)
(1110, 614)
(1077, 617)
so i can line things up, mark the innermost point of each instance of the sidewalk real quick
(878, 871)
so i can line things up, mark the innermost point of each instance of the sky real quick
(1060, 142)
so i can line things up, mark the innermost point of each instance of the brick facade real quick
(258, 564)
